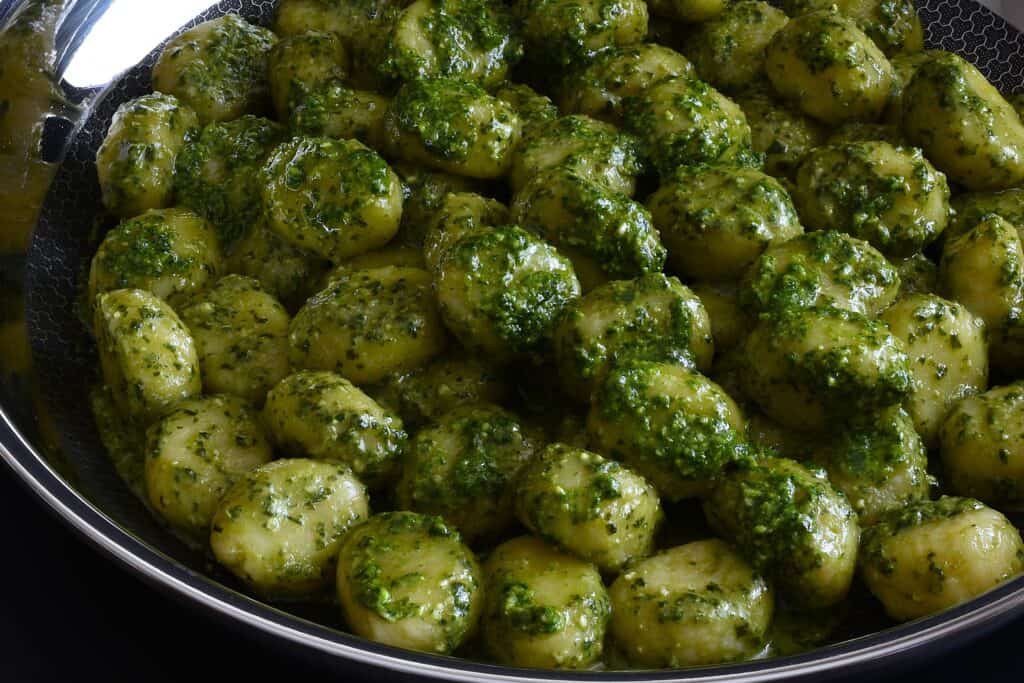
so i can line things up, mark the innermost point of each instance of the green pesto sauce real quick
(140, 248)
(436, 113)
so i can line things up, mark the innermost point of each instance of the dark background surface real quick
(69, 614)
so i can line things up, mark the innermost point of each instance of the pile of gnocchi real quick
(572, 333)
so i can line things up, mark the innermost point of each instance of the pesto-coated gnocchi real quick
(879, 463)
(963, 124)
(241, 337)
(715, 221)
(454, 126)
(948, 350)
(432, 390)
(407, 580)
(425, 193)
(699, 603)
(599, 230)
(543, 608)
(567, 32)
(502, 291)
(336, 111)
(592, 149)
(825, 65)
(336, 198)
(286, 272)
(728, 50)
(471, 40)
(671, 424)
(892, 24)
(135, 163)
(218, 68)
(806, 368)
(217, 173)
(301, 63)
(172, 253)
(590, 506)
(935, 554)
(368, 323)
(983, 447)
(889, 196)
(970, 208)
(463, 467)
(983, 269)
(147, 355)
(322, 415)
(791, 524)
(195, 453)
(779, 132)
(821, 268)
(534, 109)
(279, 528)
(459, 215)
(654, 317)
(683, 122)
(601, 88)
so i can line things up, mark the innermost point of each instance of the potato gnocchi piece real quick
(407, 580)
(135, 163)
(218, 68)
(454, 126)
(463, 467)
(502, 291)
(948, 351)
(336, 111)
(790, 524)
(534, 110)
(963, 124)
(716, 221)
(324, 416)
(808, 368)
(172, 253)
(217, 173)
(684, 122)
(472, 40)
(932, 555)
(892, 24)
(728, 50)
(459, 215)
(891, 197)
(363, 26)
(672, 425)
(695, 604)
(446, 383)
(779, 132)
(904, 66)
(820, 268)
(241, 336)
(425, 193)
(543, 608)
(970, 208)
(879, 463)
(286, 272)
(593, 149)
(983, 447)
(279, 528)
(336, 198)
(560, 33)
(592, 507)
(654, 317)
(195, 453)
(600, 88)
(368, 323)
(301, 63)
(599, 230)
(983, 269)
(825, 65)
(147, 355)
